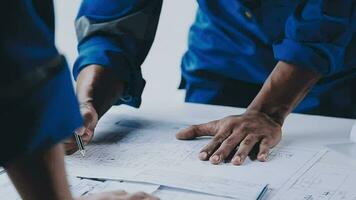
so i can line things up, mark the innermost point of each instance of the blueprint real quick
(145, 149)
(322, 182)
(80, 187)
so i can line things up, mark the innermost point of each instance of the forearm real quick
(286, 86)
(100, 87)
(41, 176)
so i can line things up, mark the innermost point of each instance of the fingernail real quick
(263, 157)
(215, 158)
(237, 160)
(203, 155)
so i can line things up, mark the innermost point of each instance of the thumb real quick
(90, 120)
(208, 129)
(89, 115)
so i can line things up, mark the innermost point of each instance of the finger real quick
(80, 131)
(71, 151)
(119, 193)
(264, 150)
(89, 115)
(87, 136)
(244, 149)
(70, 146)
(138, 196)
(214, 144)
(208, 129)
(226, 148)
(86, 133)
(70, 142)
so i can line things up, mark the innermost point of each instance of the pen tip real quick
(83, 153)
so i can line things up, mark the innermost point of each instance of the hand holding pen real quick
(90, 119)
(80, 143)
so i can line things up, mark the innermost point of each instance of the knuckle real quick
(195, 127)
(245, 127)
(210, 148)
(264, 151)
(241, 154)
(255, 137)
(218, 139)
(265, 142)
(247, 141)
(213, 124)
(246, 124)
(229, 142)
(207, 148)
(191, 131)
(228, 121)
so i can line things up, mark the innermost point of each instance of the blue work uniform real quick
(233, 47)
(37, 101)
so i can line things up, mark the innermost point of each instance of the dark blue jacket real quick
(37, 101)
(233, 47)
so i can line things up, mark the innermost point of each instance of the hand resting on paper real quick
(259, 128)
(236, 137)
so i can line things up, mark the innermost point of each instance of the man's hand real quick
(241, 133)
(119, 195)
(98, 88)
(282, 91)
(90, 117)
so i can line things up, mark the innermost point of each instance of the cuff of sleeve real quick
(310, 56)
(103, 51)
(40, 120)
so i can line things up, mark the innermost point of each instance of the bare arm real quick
(43, 176)
(40, 176)
(283, 90)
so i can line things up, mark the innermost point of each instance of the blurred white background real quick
(162, 66)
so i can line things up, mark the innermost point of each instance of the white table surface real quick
(309, 131)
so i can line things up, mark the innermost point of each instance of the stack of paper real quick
(323, 181)
(80, 187)
(138, 153)
(145, 150)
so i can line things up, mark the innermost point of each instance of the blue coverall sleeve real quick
(118, 35)
(317, 35)
(38, 107)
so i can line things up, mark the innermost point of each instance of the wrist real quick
(285, 87)
(277, 114)
(99, 87)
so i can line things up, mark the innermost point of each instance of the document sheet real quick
(80, 187)
(347, 150)
(139, 148)
(322, 182)
(165, 193)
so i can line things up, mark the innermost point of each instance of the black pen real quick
(80, 143)
(263, 193)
